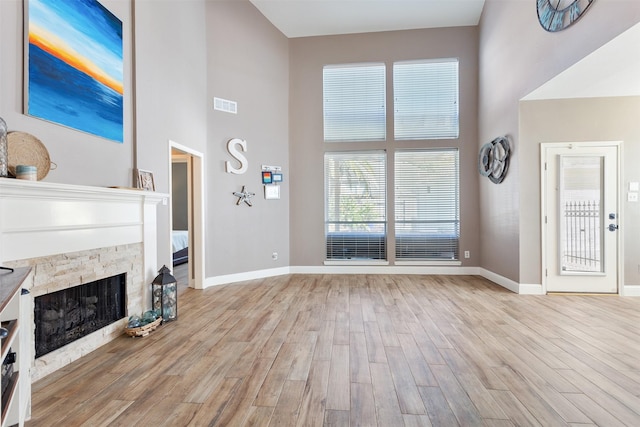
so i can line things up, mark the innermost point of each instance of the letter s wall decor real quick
(232, 148)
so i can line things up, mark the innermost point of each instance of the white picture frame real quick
(272, 192)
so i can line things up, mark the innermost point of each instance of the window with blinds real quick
(426, 99)
(427, 204)
(355, 205)
(354, 102)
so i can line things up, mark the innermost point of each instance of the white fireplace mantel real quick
(52, 227)
(40, 218)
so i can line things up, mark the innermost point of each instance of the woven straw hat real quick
(26, 149)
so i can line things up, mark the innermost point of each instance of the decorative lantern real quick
(164, 295)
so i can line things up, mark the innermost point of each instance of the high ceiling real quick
(612, 70)
(303, 18)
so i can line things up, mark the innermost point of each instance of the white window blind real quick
(426, 99)
(427, 204)
(354, 102)
(355, 205)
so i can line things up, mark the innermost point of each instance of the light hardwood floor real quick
(366, 350)
(181, 273)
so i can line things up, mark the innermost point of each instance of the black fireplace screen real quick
(65, 316)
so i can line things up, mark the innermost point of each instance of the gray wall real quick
(569, 120)
(248, 62)
(82, 159)
(308, 56)
(171, 85)
(516, 57)
(179, 196)
(165, 99)
(187, 52)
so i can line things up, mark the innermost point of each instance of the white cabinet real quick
(15, 392)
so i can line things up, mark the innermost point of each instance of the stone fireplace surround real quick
(72, 235)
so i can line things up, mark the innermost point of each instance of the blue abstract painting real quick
(75, 66)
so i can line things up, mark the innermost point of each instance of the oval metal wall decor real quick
(493, 159)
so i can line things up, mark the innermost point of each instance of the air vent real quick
(225, 105)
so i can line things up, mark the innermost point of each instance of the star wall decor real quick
(244, 196)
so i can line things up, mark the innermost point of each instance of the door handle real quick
(613, 227)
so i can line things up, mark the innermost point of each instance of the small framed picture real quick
(271, 192)
(145, 180)
(277, 177)
(267, 177)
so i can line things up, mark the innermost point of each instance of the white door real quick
(580, 217)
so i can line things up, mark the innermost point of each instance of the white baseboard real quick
(632, 291)
(518, 288)
(334, 269)
(384, 269)
(241, 277)
(530, 289)
(363, 269)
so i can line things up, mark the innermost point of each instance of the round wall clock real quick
(556, 15)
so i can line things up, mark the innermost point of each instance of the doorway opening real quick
(187, 215)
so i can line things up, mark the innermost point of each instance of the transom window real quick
(354, 103)
(425, 99)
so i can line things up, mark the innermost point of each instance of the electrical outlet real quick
(467, 254)
(274, 256)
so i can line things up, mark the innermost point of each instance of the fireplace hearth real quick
(67, 315)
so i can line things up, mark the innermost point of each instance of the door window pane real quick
(581, 219)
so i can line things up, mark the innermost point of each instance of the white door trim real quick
(195, 162)
(544, 146)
